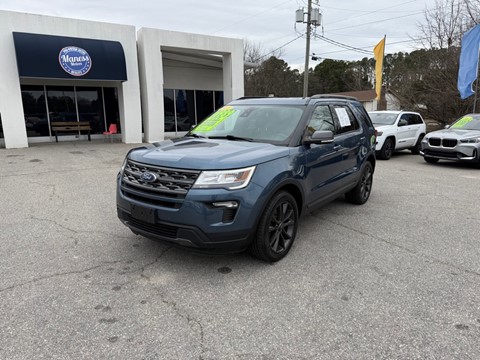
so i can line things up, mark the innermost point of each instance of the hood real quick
(454, 133)
(207, 154)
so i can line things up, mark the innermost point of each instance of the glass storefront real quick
(185, 108)
(35, 111)
(97, 105)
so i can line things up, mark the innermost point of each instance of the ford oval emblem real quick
(75, 60)
(148, 177)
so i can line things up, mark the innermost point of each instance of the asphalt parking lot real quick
(397, 278)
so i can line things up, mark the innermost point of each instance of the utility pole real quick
(307, 50)
(313, 18)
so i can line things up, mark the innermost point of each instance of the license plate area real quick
(143, 214)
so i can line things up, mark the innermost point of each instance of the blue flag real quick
(468, 69)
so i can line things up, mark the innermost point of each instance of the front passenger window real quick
(321, 120)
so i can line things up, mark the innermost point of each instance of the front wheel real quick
(277, 228)
(387, 149)
(360, 193)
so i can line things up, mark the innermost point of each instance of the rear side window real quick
(416, 119)
(362, 114)
(346, 121)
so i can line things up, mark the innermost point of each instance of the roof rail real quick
(253, 97)
(330, 96)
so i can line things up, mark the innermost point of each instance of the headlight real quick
(228, 179)
(425, 139)
(471, 141)
(379, 133)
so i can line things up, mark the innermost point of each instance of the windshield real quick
(263, 123)
(468, 122)
(383, 118)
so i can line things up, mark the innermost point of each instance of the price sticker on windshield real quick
(215, 119)
(462, 122)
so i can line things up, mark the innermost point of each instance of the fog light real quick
(226, 204)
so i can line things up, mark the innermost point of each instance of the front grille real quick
(447, 143)
(450, 143)
(157, 229)
(165, 187)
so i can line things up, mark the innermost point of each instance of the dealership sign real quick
(75, 60)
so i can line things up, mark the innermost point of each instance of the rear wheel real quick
(387, 149)
(360, 193)
(277, 228)
(430, 160)
(418, 146)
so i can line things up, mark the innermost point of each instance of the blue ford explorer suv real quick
(242, 177)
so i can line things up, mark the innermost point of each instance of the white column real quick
(233, 86)
(151, 80)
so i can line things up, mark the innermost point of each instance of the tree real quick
(333, 76)
(426, 80)
(273, 77)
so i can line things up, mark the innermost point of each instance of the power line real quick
(368, 12)
(271, 52)
(252, 16)
(377, 21)
(345, 46)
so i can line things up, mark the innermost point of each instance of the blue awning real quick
(61, 57)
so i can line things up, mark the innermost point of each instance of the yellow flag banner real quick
(378, 52)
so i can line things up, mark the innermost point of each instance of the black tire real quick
(360, 193)
(277, 228)
(418, 146)
(430, 160)
(387, 149)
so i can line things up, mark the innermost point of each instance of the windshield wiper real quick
(232, 137)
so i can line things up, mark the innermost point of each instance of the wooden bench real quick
(69, 126)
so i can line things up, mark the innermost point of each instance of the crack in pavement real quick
(76, 272)
(406, 249)
(142, 274)
(173, 304)
(78, 231)
(36, 173)
(54, 191)
(190, 319)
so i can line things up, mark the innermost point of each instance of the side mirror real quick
(320, 137)
(446, 126)
(402, 122)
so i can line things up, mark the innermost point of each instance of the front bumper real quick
(463, 152)
(196, 223)
(379, 143)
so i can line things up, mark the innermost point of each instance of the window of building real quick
(110, 101)
(97, 105)
(90, 108)
(204, 103)
(185, 108)
(35, 111)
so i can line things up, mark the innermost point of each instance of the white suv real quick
(397, 130)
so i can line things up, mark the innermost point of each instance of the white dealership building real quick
(150, 83)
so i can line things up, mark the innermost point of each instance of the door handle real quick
(337, 147)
